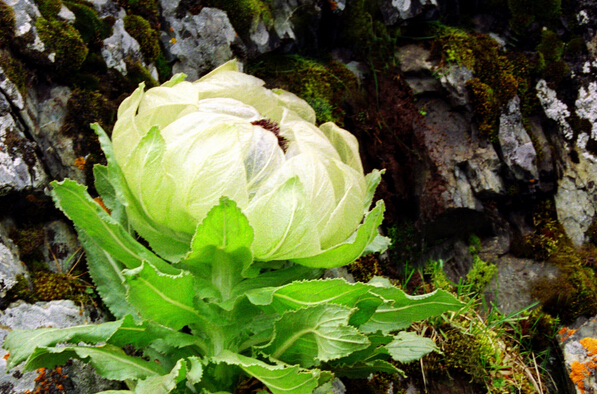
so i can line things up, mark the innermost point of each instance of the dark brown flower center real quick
(272, 126)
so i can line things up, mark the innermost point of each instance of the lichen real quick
(148, 38)
(7, 23)
(65, 41)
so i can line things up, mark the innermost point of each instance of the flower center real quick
(272, 126)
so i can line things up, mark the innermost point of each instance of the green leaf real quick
(78, 206)
(163, 384)
(106, 273)
(22, 343)
(408, 346)
(105, 188)
(227, 229)
(280, 379)
(362, 370)
(318, 333)
(109, 361)
(351, 249)
(401, 309)
(309, 293)
(375, 351)
(168, 244)
(166, 299)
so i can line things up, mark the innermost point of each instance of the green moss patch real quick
(148, 38)
(65, 41)
(16, 71)
(7, 23)
(90, 27)
(323, 85)
(243, 13)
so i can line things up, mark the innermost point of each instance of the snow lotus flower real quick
(184, 145)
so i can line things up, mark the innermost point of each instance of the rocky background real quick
(482, 112)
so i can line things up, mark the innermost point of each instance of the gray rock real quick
(10, 92)
(20, 169)
(58, 314)
(66, 15)
(517, 148)
(10, 268)
(483, 170)
(577, 343)
(414, 59)
(449, 131)
(201, 42)
(120, 46)
(63, 246)
(106, 8)
(44, 116)
(394, 11)
(514, 282)
(575, 200)
(453, 79)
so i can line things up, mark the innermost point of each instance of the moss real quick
(592, 233)
(550, 46)
(576, 46)
(243, 13)
(7, 23)
(16, 71)
(480, 275)
(136, 74)
(91, 28)
(29, 240)
(525, 12)
(163, 67)
(83, 108)
(323, 85)
(65, 41)
(148, 38)
(365, 268)
(358, 25)
(49, 9)
(148, 9)
(486, 106)
(49, 286)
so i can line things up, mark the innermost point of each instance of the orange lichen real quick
(6, 356)
(580, 371)
(565, 333)
(590, 344)
(80, 163)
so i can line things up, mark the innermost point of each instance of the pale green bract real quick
(301, 201)
(239, 230)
